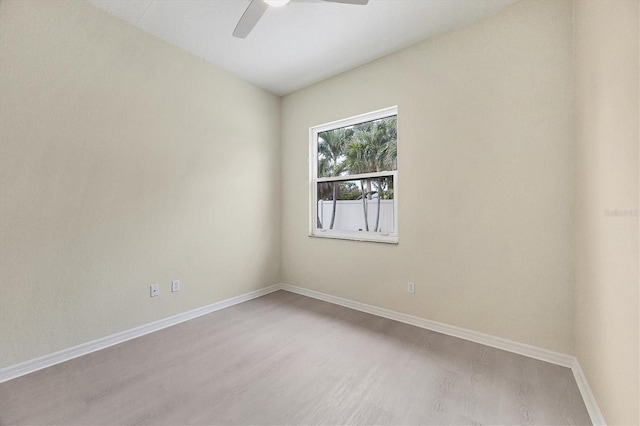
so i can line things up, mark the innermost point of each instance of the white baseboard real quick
(45, 361)
(48, 360)
(474, 336)
(587, 396)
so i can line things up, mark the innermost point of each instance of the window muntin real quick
(354, 178)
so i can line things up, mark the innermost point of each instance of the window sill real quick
(356, 236)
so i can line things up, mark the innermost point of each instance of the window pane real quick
(363, 148)
(355, 209)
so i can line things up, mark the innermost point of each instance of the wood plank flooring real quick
(288, 359)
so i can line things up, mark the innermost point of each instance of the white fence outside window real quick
(350, 215)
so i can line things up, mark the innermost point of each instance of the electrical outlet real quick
(175, 285)
(154, 290)
(411, 288)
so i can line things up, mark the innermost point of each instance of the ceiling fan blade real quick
(250, 18)
(362, 2)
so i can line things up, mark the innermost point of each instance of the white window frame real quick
(391, 237)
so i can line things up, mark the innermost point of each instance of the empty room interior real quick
(328, 212)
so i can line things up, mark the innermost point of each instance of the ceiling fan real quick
(256, 9)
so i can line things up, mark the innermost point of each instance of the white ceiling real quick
(303, 42)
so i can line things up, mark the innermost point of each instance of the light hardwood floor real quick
(288, 359)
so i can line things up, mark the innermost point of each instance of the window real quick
(354, 178)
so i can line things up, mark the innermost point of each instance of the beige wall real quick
(606, 178)
(485, 179)
(124, 162)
